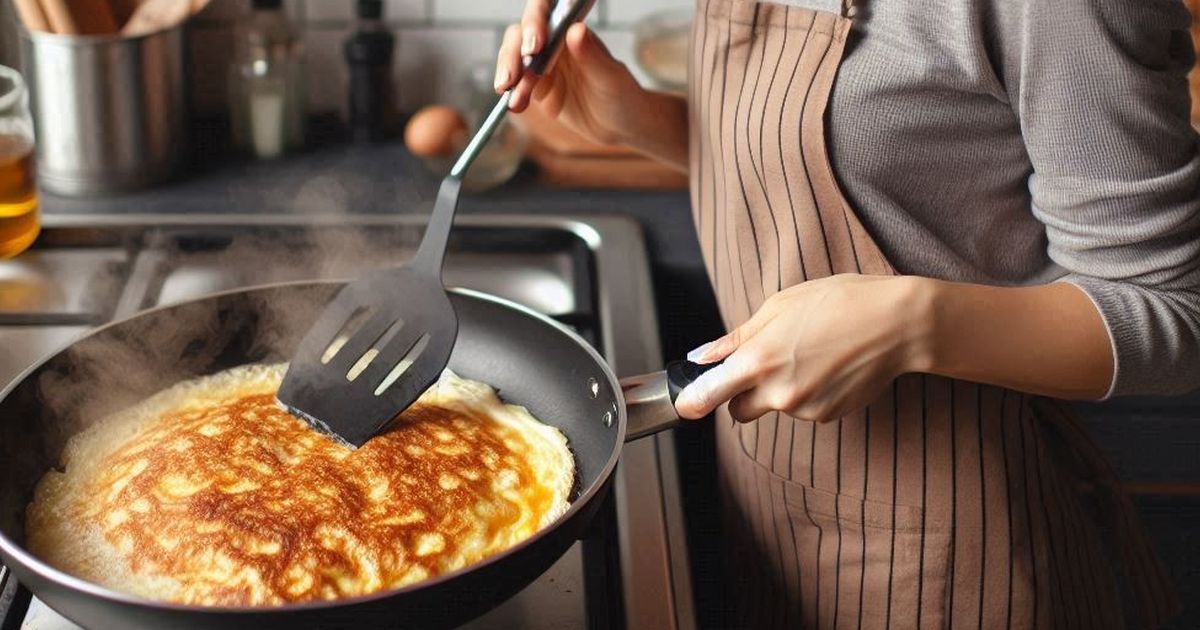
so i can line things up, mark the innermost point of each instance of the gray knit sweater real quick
(1018, 142)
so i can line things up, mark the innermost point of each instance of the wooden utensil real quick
(32, 16)
(156, 15)
(80, 17)
(123, 10)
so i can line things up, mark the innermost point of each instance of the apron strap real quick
(1153, 590)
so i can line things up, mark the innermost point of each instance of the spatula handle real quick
(433, 245)
(564, 14)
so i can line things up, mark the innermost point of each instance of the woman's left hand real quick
(815, 351)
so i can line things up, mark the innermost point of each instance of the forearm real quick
(1048, 340)
(657, 127)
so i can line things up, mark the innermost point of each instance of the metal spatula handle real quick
(433, 246)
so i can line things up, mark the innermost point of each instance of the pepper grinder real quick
(369, 55)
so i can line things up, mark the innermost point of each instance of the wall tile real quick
(327, 78)
(318, 10)
(229, 10)
(431, 60)
(431, 63)
(343, 10)
(223, 10)
(494, 11)
(405, 10)
(625, 12)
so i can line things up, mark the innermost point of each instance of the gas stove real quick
(588, 272)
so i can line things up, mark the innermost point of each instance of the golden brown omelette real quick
(208, 493)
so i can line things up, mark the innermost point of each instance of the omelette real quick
(208, 493)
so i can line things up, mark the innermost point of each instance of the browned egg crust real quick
(244, 504)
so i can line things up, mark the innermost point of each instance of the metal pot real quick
(110, 111)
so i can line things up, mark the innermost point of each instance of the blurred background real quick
(435, 40)
(443, 51)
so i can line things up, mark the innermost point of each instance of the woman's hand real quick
(589, 91)
(815, 351)
(824, 348)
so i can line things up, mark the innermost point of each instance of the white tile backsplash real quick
(627, 12)
(432, 63)
(343, 10)
(491, 11)
(437, 40)
(229, 10)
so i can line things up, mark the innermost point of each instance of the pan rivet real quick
(608, 418)
(593, 387)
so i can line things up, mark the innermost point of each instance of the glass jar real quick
(19, 224)
(266, 83)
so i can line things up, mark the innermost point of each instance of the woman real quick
(1029, 168)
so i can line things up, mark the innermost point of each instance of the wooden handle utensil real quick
(32, 16)
(156, 15)
(80, 17)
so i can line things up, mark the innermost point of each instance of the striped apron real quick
(944, 503)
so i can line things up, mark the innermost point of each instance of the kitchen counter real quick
(385, 178)
(1153, 442)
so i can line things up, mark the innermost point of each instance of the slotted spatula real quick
(386, 337)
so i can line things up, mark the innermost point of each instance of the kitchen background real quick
(437, 41)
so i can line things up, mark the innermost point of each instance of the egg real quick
(435, 131)
(208, 493)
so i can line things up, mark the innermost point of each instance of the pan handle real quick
(650, 398)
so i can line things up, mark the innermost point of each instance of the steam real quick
(124, 364)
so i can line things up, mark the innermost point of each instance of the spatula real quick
(386, 337)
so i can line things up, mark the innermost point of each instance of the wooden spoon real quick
(123, 9)
(32, 16)
(156, 15)
(80, 17)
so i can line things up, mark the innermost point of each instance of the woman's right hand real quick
(586, 89)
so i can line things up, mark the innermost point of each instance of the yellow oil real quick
(19, 224)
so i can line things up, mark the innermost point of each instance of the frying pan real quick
(532, 361)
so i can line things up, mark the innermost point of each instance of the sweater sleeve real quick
(1101, 92)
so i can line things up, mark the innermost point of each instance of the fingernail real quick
(502, 78)
(527, 44)
(686, 399)
(697, 355)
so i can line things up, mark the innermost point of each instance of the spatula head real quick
(378, 345)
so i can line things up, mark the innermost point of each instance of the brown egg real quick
(435, 131)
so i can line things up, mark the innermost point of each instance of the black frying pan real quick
(530, 359)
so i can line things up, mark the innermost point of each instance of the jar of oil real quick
(19, 223)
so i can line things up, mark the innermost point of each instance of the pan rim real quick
(25, 560)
